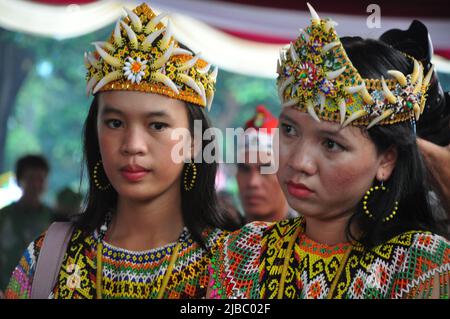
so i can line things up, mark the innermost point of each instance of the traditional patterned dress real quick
(250, 263)
(126, 274)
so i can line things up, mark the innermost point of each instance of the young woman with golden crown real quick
(150, 223)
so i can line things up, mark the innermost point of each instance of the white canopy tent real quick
(198, 24)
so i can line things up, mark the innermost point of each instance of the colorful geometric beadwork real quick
(249, 262)
(125, 274)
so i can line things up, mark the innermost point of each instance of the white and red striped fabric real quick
(243, 38)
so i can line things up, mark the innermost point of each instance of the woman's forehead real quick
(139, 103)
(305, 119)
(306, 122)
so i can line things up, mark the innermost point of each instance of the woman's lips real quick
(134, 174)
(299, 190)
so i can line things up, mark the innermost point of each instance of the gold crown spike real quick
(316, 76)
(142, 55)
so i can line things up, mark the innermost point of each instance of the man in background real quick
(68, 205)
(261, 196)
(23, 221)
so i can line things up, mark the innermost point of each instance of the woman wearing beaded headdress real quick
(151, 222)
(349, 164)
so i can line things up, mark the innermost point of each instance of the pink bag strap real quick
(50, 259)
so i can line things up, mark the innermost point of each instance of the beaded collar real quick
(132, 254)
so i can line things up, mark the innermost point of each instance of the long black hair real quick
(199, 205)
(407, 183)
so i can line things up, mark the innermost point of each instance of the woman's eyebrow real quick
(108, 109)
(334, 133)
(331, 132)
(287, 118)
(157, 114)
(322, 131)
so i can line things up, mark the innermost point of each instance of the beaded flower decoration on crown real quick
(316, 76)
(142, 55)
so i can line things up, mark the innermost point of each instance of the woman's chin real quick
(304, 208)
(137, 192)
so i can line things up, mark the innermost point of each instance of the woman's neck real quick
(143, 225)
(329, 231)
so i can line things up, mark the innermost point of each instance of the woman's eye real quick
(333, 146)
(158, 126)
(287, 129)
(114, 123)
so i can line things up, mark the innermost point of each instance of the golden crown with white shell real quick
(142, 55)
(316, 76)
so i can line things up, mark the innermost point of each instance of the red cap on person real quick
(259, 131)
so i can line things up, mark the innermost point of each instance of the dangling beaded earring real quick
(190, 185)
(96, 177)
(366, 197)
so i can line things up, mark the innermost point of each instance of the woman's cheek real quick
(349, 179)
(163, 157)
(108, 149)
(282, 156)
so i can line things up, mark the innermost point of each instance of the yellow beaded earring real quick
(366, 197)
(97, 179)
(189, 186)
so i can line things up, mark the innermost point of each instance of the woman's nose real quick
(303, 159)
(134, 142)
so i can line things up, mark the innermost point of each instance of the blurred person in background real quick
(261, 196)
(68, 205)
(24, 220)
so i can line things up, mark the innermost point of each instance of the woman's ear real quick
(387, 164)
